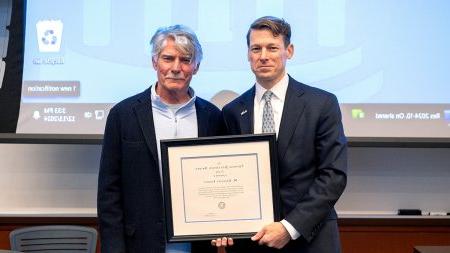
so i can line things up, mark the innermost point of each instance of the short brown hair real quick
(277, 26)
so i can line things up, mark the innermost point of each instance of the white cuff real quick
(291, 230)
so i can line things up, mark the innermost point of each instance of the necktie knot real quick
(267, 95)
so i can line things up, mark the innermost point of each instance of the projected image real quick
(384, 60)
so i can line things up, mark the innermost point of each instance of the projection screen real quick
(387, 61)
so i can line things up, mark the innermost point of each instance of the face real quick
(174, 71)
(267, 56)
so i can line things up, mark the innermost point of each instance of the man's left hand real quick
(273, 235)
(222, 243)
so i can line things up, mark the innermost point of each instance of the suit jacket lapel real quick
(144, 114)
(246, 112)
(293, 108)
(202, 118)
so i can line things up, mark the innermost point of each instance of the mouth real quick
(263, 68)
(175, 79)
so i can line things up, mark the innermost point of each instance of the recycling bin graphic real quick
(49, 35)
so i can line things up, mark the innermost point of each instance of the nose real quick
(176, 66)
(263, 56)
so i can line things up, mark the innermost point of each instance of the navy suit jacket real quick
(130, 199)
(312, 162)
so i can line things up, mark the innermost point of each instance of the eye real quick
(273, 49)
(255, 49)
(167, 58)
(186, 60)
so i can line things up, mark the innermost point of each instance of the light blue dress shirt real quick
(174, 121)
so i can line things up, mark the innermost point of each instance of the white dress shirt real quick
(279, 94)
(277, 101)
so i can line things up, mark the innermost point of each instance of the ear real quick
(154, 63)
(290, 51)
(196, 68)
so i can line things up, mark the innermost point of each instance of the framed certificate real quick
(219, 186)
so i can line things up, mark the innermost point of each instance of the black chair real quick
(54, 239)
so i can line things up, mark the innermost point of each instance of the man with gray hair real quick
(130, 196)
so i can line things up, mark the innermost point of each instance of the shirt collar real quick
(158, 103)
(279, 89)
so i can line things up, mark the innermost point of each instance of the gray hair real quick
(185, 40)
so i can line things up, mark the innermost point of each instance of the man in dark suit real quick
(312, 148)
(130, 196)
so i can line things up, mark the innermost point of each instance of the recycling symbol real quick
(49, 37)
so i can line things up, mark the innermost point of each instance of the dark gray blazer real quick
(130, 198)
(312, 162)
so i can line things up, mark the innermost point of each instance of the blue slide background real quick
(363, 51)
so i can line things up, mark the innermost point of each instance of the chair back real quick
(54, 239)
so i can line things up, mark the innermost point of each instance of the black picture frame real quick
(240, 146)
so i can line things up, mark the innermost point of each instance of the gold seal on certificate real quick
(219, 186)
